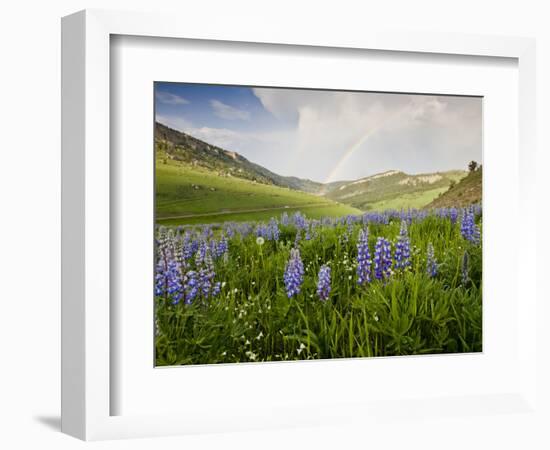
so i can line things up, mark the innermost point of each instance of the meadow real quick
(293, 286)
(206, 197)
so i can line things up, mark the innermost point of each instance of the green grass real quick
(410, 200)
(313, 212)
(252, 319)
(183, 191)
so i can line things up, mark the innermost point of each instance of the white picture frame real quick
(87, 325)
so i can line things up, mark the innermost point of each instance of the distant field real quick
(187, 191)
(410, 200)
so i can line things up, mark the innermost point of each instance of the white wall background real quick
(30, 198)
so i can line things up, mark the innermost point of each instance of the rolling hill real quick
(466, 192)
(394, 190)
(198, 182)
(182, 147)
(188, 194)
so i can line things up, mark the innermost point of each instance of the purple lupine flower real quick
(191, 286)
(216, 289)
(323, 284)
(213, 248)
(201, 252)
(431, 262)
(206, 232)
(284, 219)
(206, 275)
(300, 220)
(294, 273)
(468, 227)
(187, 245)
(273, 229)
(363, 258)
(167, 280)
(262, 230)
(382, 259)
(453, 215)
(167, 273)
(222, 246)
(229, 229)
(403, 248)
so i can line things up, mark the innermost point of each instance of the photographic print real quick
(303, 224)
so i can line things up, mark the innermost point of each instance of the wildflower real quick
(251, 355)
(284, 219)
(382, 259)
(201, 252)
(191, 286)
(294, 273)
(188, 246)
(222, 246)
(363, 258)
(468, 227)
(206, 275)
(323, 284)
(453, 215)
(273, 229)
(260, 240)
(431, 262)
(262, 230)
(167, 280)
(300, 220)
(402, 248)
(167, 273)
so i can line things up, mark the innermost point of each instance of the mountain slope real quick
(183, 147)
(186, 194)
(388, 190)
(394, 189)
(466, 192)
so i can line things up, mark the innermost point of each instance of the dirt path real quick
(240, 211)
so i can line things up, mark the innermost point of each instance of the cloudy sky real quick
(327, 135)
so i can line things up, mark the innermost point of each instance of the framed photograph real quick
(276, 243)
(348, 224)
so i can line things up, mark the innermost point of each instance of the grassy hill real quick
(466, 192)
(187, 194)
(182, 147)
(199, 182)
(394, 190)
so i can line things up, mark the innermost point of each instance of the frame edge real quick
(73, 84)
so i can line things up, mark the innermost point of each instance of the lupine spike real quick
(363, 258)
(431, 262)
(402, 248)
(323, 283)
(382, 259)
(294, 273)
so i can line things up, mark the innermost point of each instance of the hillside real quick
(394, 189)
(187, 194)
(466, 192)
(388, 190)
(182, 147)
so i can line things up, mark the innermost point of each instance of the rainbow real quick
(362, 139)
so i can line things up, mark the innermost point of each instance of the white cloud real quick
(228, 112)
(170, 99)
(175, 122)
(359, 134)
(329, 135)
